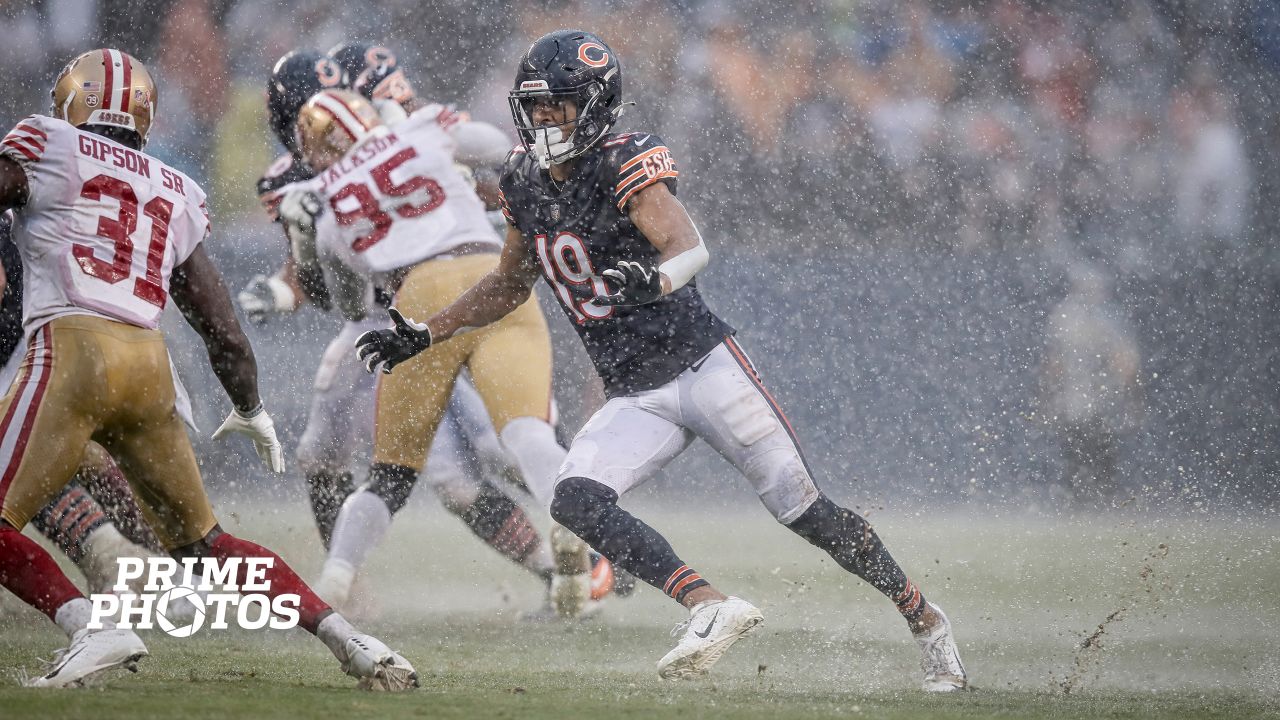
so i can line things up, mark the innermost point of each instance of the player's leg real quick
(454, 473)
(101, 477)
(79, 527)
(728, 406)
(511, 368)
(408, 407)
(476, 430)
(46, 418)
(339, 417)
(624, 443)
(148, 438)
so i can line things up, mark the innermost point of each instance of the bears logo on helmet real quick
(567, 65)
(374, 72)
(297, 76)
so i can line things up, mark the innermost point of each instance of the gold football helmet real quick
(106, 87)
(331, 123)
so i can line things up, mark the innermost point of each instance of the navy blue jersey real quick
(579, 228)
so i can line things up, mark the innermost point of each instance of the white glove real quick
(257, 425)
(300, 208)
(265, 296)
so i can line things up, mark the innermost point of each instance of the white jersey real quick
(396, 198)
(103, 226)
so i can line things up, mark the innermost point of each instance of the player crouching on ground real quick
(97, 366)
(597, 216)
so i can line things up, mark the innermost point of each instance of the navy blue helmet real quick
(567, 65)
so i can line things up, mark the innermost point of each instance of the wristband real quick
(681, 268)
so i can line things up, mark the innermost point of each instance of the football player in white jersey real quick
(108, 235)
(389, 208)
(466, 457)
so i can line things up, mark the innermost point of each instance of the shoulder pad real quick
(27, 140)
(638, 160)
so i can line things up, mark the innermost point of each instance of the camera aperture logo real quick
(182, 597)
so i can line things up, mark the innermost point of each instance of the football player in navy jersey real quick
(596, 215)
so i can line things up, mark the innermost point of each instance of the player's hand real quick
(257, 425)
(631, 283)
(300, 208)
(265, 296)
(392, 346)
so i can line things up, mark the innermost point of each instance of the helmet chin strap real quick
(549, 142)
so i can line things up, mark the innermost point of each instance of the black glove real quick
(394, 346)
(631, 283)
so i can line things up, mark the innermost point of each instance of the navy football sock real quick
(591, 511)
(854, 544)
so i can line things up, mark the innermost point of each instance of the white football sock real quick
(360, 527)
(74, 615)
(532, 444)
(333, 631)
(539, 561)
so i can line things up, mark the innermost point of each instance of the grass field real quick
(1192, 632)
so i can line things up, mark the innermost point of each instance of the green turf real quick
(1192, 634)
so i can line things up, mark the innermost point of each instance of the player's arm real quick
(197, 289)
(503, 290)
(494, 296)
(13, 184)
(664, 222)
(482, 148)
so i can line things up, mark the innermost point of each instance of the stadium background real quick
(896, 196)
(900, 197)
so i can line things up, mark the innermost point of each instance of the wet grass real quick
(1189, 635)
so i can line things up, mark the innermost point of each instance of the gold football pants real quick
(510, 364)
(88, 378)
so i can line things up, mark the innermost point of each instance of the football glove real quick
(265, 296)
(300, 208)
(257, 426)
(392, 346)
(631, 283)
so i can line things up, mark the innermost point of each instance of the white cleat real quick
(940, 660)
(92, 652)
(710, 630)
(377, 666)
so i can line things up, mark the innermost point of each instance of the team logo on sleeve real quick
(593, 54)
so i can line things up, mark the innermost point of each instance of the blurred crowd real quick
(1111, 139)
(957, 122)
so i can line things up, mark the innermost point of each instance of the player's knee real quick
(825, 523)
(790, 491)
(580, 502)
(392, 483)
